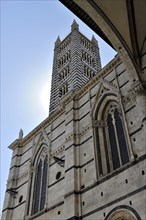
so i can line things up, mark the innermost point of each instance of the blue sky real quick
(28, 32)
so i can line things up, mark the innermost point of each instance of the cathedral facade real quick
(87, 159)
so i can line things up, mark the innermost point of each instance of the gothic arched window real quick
(111, 144)
(40, 183)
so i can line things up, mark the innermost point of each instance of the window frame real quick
(99, 122)
(42, 149)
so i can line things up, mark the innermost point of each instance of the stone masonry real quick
(76, 60)
(76, 188)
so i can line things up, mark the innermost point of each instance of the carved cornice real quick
(15, 144)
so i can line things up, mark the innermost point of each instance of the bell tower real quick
(76, 60)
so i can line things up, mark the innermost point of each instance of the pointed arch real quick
(37, 195)
(105, 89)
(40, 164)
(111, 145)
(44, 141)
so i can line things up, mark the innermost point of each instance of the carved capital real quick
(32, 169)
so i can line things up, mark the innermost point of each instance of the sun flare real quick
(45, 97)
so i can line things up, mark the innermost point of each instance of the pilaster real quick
(11, 191)
(72, 180)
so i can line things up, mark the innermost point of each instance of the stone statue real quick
(20, 134)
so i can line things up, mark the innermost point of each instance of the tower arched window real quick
(40, 183)
(110, 139)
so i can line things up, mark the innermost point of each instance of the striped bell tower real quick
(76, 60)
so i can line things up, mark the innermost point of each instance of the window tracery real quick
(111, 144)
(40, 183)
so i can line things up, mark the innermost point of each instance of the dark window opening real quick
(113, 143)
(121, 138)
(58, 175)
(83, 186)
(110, 138)
(20, 199)
(143, 173)
(39, 195)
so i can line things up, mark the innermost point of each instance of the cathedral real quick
(86, 160)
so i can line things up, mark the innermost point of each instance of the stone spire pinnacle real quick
(94, 41)
(58, 41)
(74, 25)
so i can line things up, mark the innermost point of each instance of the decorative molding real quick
(15, 144)
(42, 140)
(85, 129)
(70, 137)
(136, 89)
(126, 99)
(32, 168)
(16, 179)
(59, 150)
(105, 88)
(96, 123)
(82, 132)
(43, 154)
